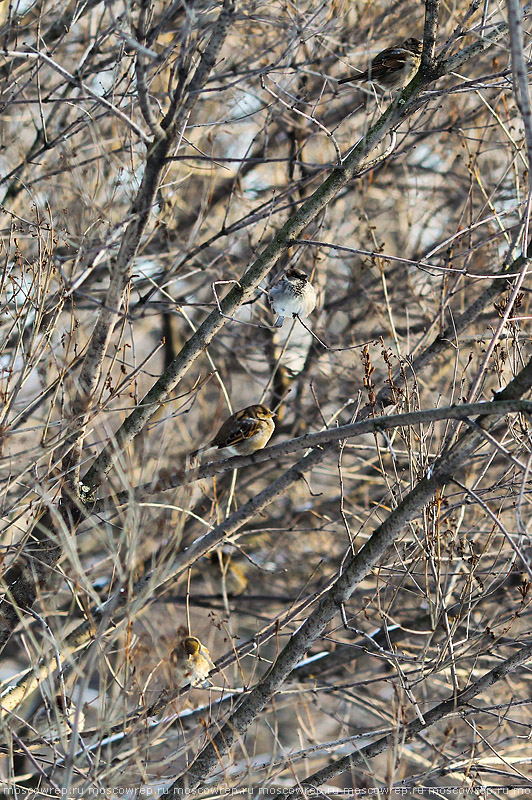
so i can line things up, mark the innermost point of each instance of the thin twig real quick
(181, 477)
(353, 573)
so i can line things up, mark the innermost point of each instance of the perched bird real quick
(292, 296)
(191, 662)
(56, 720)
(394, 67)
(244, 432)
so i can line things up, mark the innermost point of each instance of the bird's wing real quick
(274, 291)
(236, 431)
(390, 59)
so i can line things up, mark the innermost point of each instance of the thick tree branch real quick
(405, 733)
(430, 33)
(20, 579)
(139, 216)
(171, 479)
(283, 239)
(354, 572)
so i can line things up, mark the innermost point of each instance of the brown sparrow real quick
(394, 67)
(244, 432)
(292, 296)
(191, 662)
(55, 721)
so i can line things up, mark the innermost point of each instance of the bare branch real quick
(352, 574)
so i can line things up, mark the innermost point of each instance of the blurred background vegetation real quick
(395, 258)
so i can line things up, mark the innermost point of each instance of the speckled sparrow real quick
(393, 67)
(292, 296)
(243, 433)
(191, 662)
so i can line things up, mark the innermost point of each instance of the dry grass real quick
(397, 256)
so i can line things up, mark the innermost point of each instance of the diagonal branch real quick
(352, 165)
(355, 571)
(34, 565)
(408, 731)
(140, 213)
(82, 636)
(171, 479)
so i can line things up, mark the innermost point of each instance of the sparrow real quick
(393, 67)
(244, 432)
(191, 662)
(56, 720)
(292, 296)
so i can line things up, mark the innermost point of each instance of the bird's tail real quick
(360, 76)
(207, 448)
